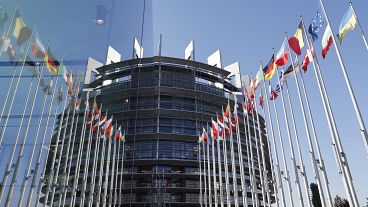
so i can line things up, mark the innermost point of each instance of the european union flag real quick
(315, 26)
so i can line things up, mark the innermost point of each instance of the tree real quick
(316, 199)
(341, 202)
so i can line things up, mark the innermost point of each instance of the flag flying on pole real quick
(21, 32)
(111, 132)
(326, 41)
(70, 83)
(47, 89)
(38, 49)
(316, 25)
(78, 103)
(270, 69)
(8, 48)
(60, 95)
(118, 134)
(259, 76)
(228, 110)
(308, 58)
(296, 42)
(213, 134)
(347, 23)
(215, 129)
(273, 94)
(63, 72)
(200, 139)
(282, 55)
(261, 100)
(205, 136)
(123, 136)
(280, 81)
(108, 125)
(50, 62)
(290, 71)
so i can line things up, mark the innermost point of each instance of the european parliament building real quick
(163, 103)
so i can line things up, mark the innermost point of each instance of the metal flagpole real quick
(321, 161)
(363, 130)
(102, 165)
(264, 181)
(70, 157)
(3, 129)
(273, 176)
(112, 180)
(26, 175)
(10, 26)
(232, 154)
(9, 165)
(240, 154)
(80, 149)
(121, 173)
(7, 95)
(53, 160)
(311, 149)
(226, 166)
(209, 175)
(252, 176)
(220, 172)
(200, 174)
(258, 157)
(38, 162)
(292, 153)
(54, 178)
(214, 172)
(62, 184)
(360, 27)
(275, 149)
(20, 153)
(117, 171)
(301, 161)
(336, 144)
(205, 179)
(287, 177)
(107, 174)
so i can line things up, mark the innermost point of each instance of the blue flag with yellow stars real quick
(316, 25)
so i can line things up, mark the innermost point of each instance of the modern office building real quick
(163, 103)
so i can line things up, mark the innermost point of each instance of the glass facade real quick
(163, 106)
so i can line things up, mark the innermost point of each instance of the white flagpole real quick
(264, 181)
(55, 174)
(360, 27)
(107, 174)
(25, 134)
(258, 158)
(48, 181)
(252, 175)
(3, 129)
(220, 172)
(363, 130)
(214, 172)
(240, 154)
(336, 142)
(226, 165)
(80, 150)
(209, 175)
(117, 174)
(121, 174)
(9, 165)
(70, 157)
(205, 178)
(277, 165)
(7, 95)
(200, 174)
(310, 144)
(232, 154)
(102, 165)
(112, 180)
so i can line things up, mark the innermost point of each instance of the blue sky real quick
(244, 31)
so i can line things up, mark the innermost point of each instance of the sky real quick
(244, 31)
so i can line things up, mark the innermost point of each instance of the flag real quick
(280, 82)
(38, 49)
(273, 94)
(270, 69)
(282, 55)
(123, 137)
(259, 76)
(253, 87)
(50, 62)
(213, 134)
(95, 107)
(296, 42)
(261, 100)
(118, 134)
(78, 103)
(290, 71)
(308, 58)
(107, 126)
(326, 41)
(3, 17)
(228, 109)
(220, 122)
(215, 129)
(200, 139)
(8, 48)
(48, 87)
(70, 83)
(347, 23)
(205, 135)
(316, 25)
(63, 72)
(21, 32)
(60, 95)
(111, 132)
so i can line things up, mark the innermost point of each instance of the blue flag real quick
(316, 25)
(3, 16)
